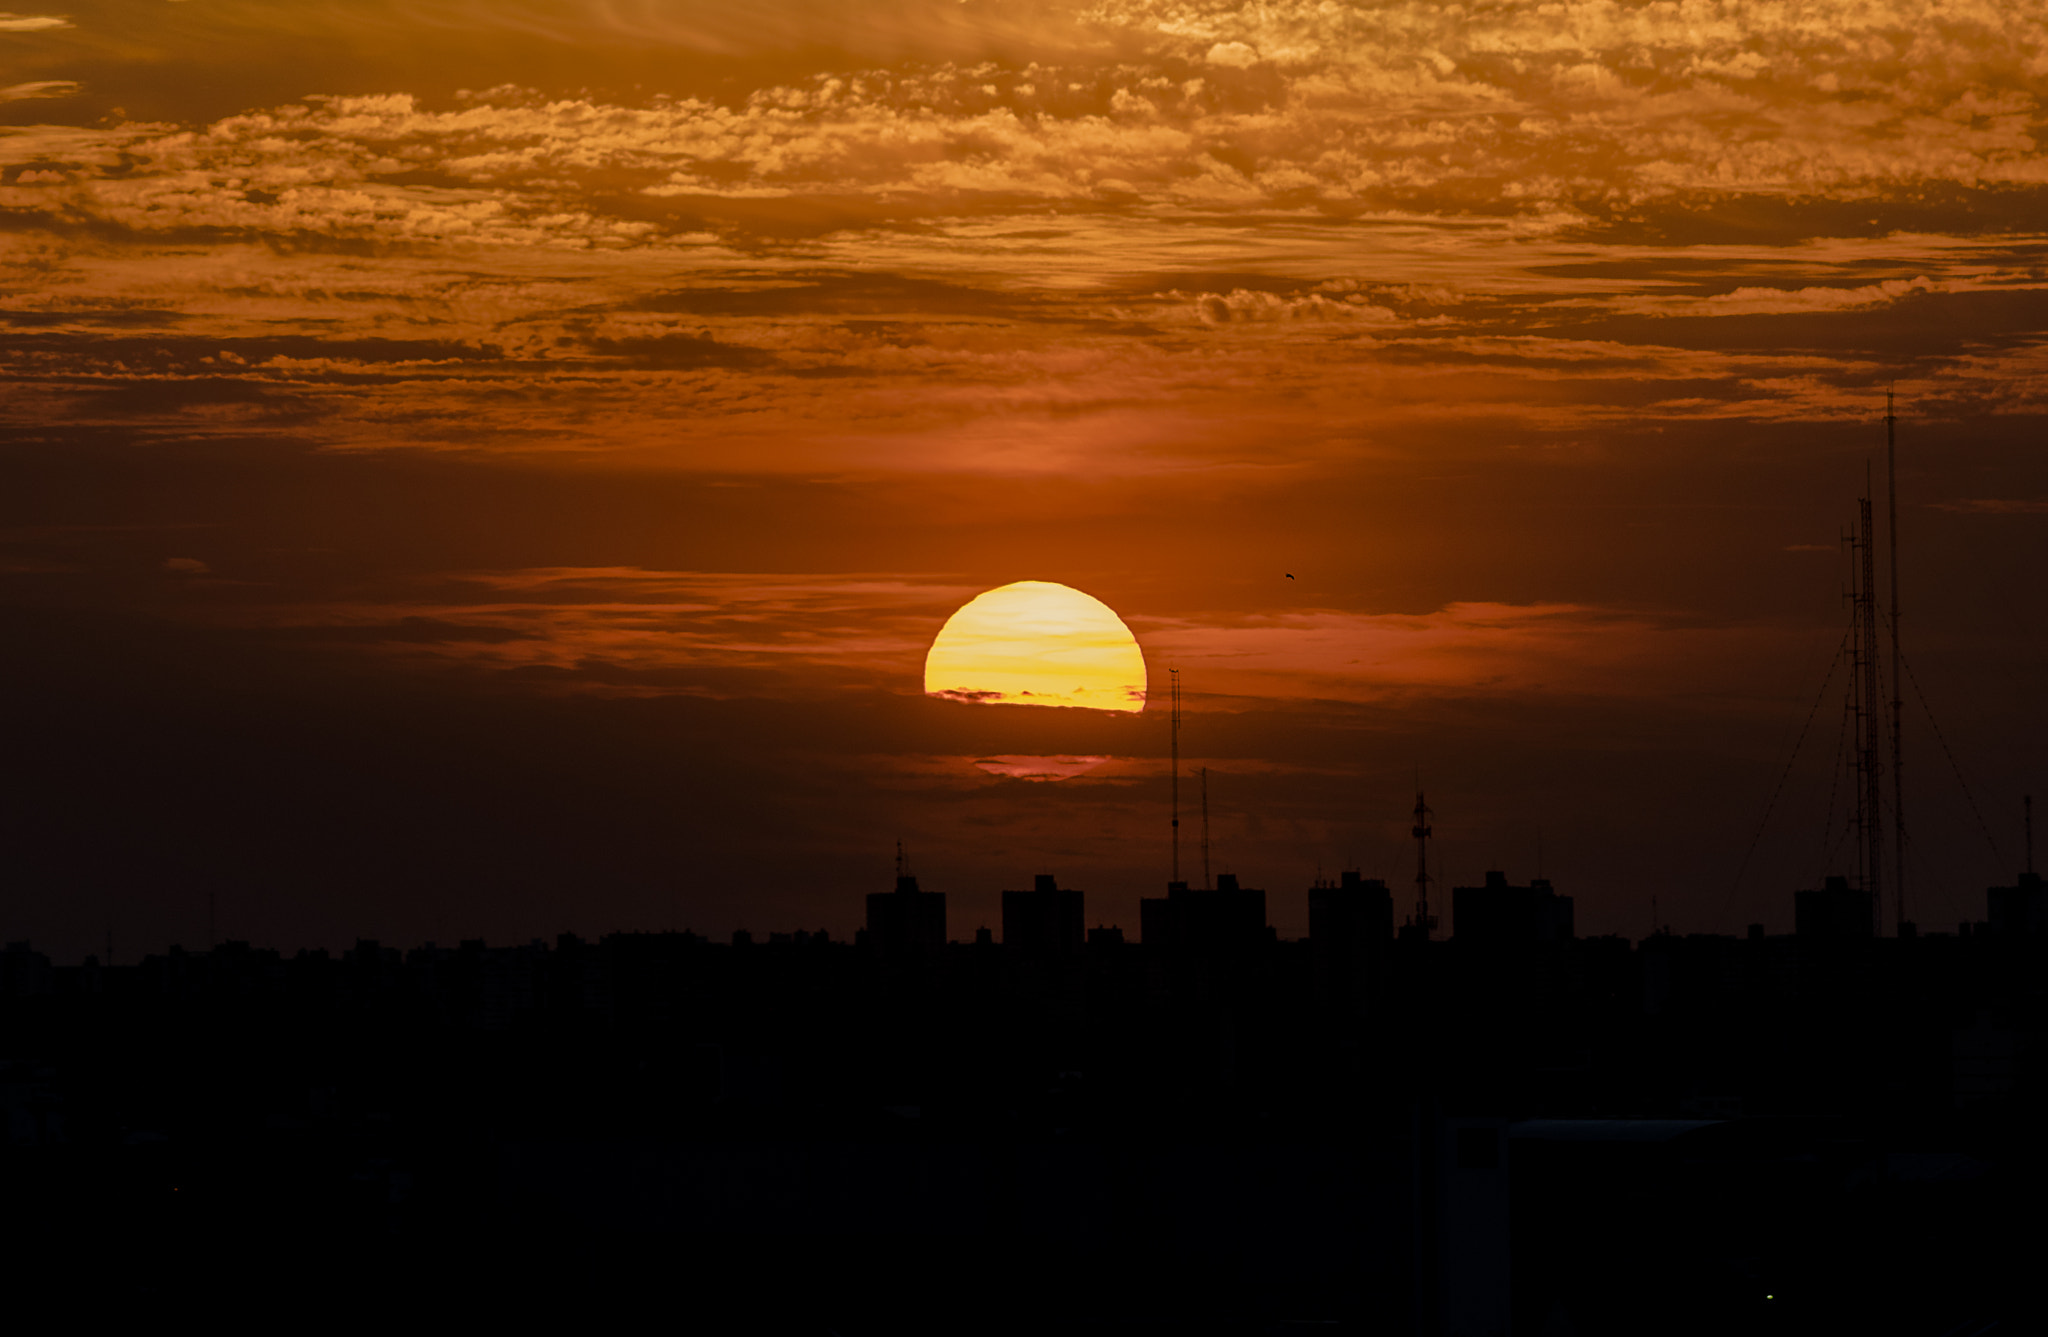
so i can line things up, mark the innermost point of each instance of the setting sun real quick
(1037, 643)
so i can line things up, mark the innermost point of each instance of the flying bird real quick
(1290, 575)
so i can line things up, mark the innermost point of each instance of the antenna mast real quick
(1205, 828)
(1424, 921)
(2027, 800)
(1870, 813)
(1891, 487)
(1174, 676)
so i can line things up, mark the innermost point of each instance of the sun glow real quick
(1036, 643)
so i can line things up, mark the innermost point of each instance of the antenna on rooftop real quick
(1205, 828)
(1891, 474)
(1174, 678)
(1869, 765)
(1424, 921)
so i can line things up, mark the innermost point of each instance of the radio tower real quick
(1891, 487)
(1869, 814)
(1205, 828)
(1174, 677)
(1424, 921)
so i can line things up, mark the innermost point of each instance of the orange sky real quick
(533, 444)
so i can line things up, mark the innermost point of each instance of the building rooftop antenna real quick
(1424, 921)
(1869, 763)
(1205, 829)
(1173, 675)
(1891, 473)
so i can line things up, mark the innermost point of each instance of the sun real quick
(1037, 643)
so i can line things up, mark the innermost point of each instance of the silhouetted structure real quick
(1350, 926)
(1047, 921)
(1501, 912)
(906, 923)
(1422, 923)
(1864, 703)
(2019, 909)
(1227, 920)
(1835, 912)
(1155, 917)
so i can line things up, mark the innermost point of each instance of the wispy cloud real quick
(640, 632)
(1505, 651)
(1996, 506)
(622, 629)
(38, 88)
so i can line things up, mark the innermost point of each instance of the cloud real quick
(1548, 113)
(1496, 650)
(625, 630)
(643, 632)
(31, 23)
(1996, 506)
(1242, 305)
(1039, 768)
(38, 88)
(1023, 259)
(1760, 301)
(186, 566)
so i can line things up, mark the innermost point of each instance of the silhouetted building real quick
(1155, 917)
(1207, 938)
(1048, 920)
(1836, 912)
(1350, 923)
(1225, 920)
(1499, 912)
(23, 971)
(906, 922)
(2021, 910)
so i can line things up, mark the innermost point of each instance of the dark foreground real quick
(1577, 1137)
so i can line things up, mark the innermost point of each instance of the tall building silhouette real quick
(1350, 924)
(1501, 912)
(1049, 920)
(1834, 911)
(2021, 909)
(906, 922)
(1226, 920)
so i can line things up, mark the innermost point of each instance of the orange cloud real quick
(1463, 649)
